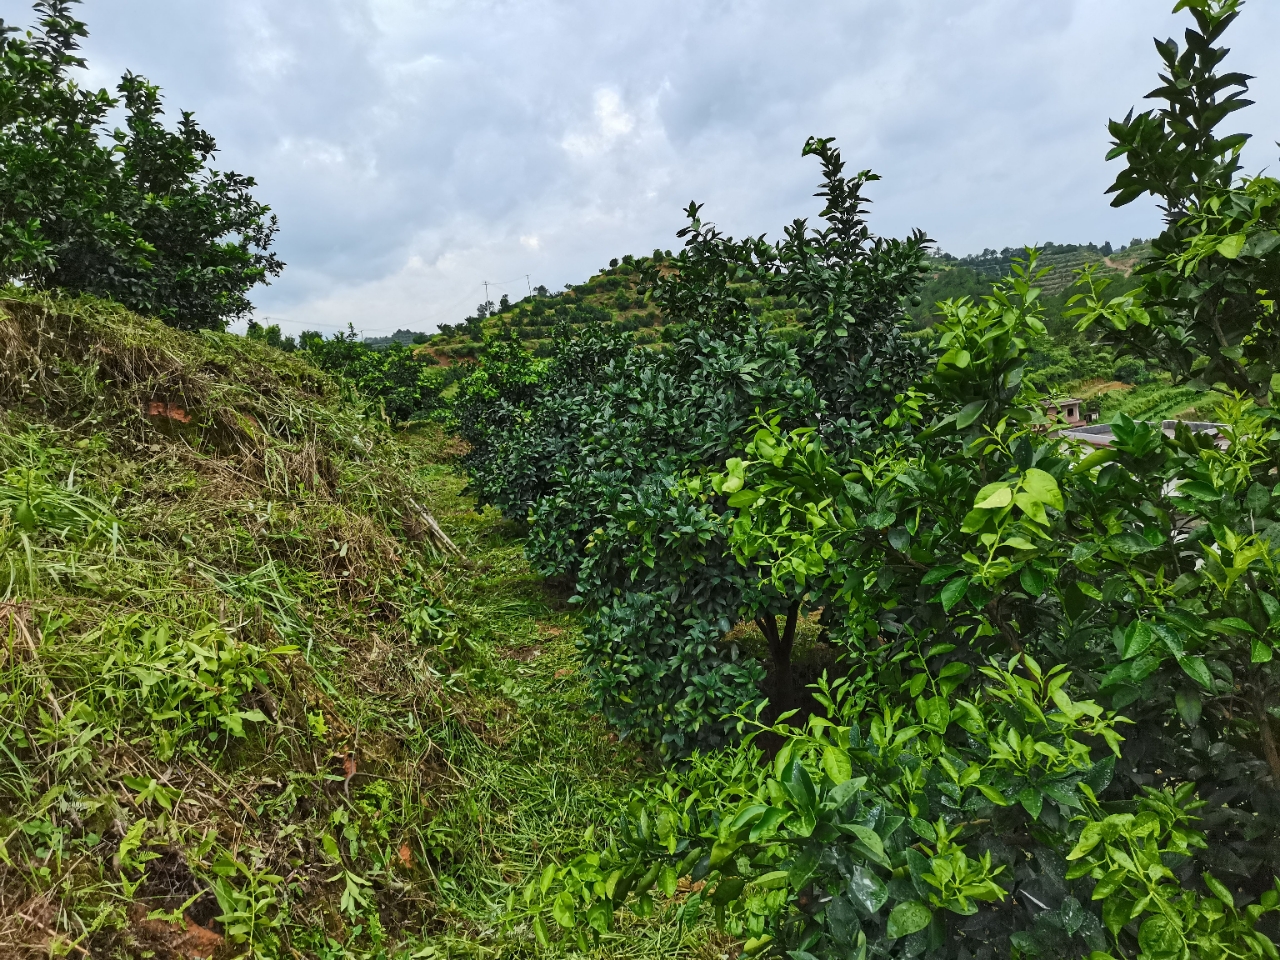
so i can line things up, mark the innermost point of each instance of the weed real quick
(242, 685)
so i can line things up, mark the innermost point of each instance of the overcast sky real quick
(415, 148)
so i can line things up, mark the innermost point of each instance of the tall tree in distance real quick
(133, 214)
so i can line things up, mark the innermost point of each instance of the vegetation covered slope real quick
(618, 300)
(1049, 730)
(250, 698)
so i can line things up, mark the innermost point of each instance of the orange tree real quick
(1053, 733)
(132, 214)
(589, 446)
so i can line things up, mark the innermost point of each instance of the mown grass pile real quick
(252, 697)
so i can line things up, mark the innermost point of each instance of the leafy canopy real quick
(1052, 729)
(133, 214)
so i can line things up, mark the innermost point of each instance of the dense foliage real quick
(590, 444)
(1052, 727)
(400, 383)
(132, 214)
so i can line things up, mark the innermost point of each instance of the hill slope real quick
(1064, 361)
(612, 297)
(250, 696)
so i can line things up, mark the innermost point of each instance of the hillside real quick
(1065, 361)
(269, 681)
(613, 297)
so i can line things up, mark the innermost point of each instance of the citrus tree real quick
(591, 447)
(1052, 733)
(133, 214)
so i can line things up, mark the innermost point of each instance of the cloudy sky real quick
(416, 148)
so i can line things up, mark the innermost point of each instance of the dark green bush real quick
(404, 384)
(135, 214)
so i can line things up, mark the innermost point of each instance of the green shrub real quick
(403, 384)
(134, 214)
(1054, 732)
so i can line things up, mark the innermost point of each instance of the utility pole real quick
(526, 283)
(486, 291)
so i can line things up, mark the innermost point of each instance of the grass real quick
(247, 699)
(1153, 401)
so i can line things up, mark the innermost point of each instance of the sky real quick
(414, 149)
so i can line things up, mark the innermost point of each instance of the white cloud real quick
(416, 148)
(612, 122)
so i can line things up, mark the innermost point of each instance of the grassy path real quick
(238, 700)
(535, 766)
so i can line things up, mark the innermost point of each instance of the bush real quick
(1054, 733)
(399, 382)
(135, 215)
(1131, 370)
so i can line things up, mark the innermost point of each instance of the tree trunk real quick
(780, 653)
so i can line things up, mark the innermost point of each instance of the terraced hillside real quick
(613, 297)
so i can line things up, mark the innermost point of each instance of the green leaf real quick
(1218, 890)
(1137, 639)
(1160, 938)
(953, 591)
(1128, 543)
(1033, 581)
(1232, 245)
(992, 794)
(841, 795)
(870, 839)
(938, 574)
(1197, 670)
(802, 869)
(722, 851)
(562, 909)
(799, 784)
(836, 764)
(541, 933)
(1261, 652)
(668, 880)
(1109, 883)
(24, 516)
(1232, 626)
(867, 888)
(1189, 707)
(1032, 801)
(1042, 487)
(600, 916)
(923, 829)
(969, 413)
(744, 498)
(1090, 837)
(1116, 912)
(993, 496)
(767, 825)
(908, 917)
(1089, 590)
(1198, 489)
(1272, 606)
